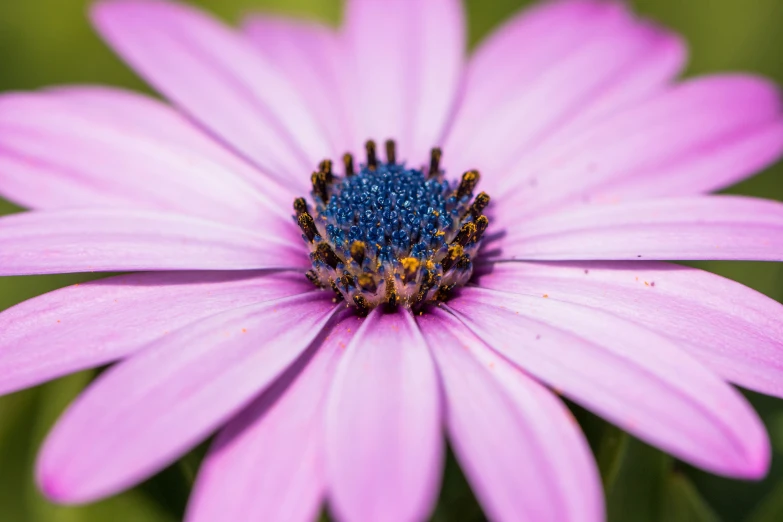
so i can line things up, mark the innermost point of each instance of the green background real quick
(44, 42)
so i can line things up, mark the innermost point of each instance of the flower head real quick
(332, 308)
(392, 234)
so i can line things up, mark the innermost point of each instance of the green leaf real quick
(456, 501)
(611, 452)
(15, 446)
(771, 508)
(683, 503)
(639, 484)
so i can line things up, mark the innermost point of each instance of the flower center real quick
(390, 234)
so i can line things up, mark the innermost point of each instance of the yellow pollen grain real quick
(410, 264)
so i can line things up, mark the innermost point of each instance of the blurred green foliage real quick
(45, 42)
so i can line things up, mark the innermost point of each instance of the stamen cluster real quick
(389, 234)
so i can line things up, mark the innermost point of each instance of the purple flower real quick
(480, 293)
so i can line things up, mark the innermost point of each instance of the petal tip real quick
(53, 487)
(757, 462)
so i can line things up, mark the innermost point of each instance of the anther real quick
(313, 278)
(326, 167)
(362, 305)
(435, 156)
(429, 275)
(469, 181)
(392, 299)
(367, 282)
(479, 204)
(455, 252)
(320, 185)
(443, 293)
(348, 164)
(428, 281)
(422, 293)
(300, 206)
(465, 234)
(358, 251)
(463, 263)
(325, 253)
(410, 266)
(481, 225)
(307, 224)
(372, 155)
(391, 152)
(338, 296)
(348, 280)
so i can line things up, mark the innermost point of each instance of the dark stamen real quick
(410, 267)
(300, 206)
(392, 299)
(358, 251)
(465, 234)
(320, 186)
(463, 263)
(455, 252)
(325, 253)
(367, 282)
(338, 296)
(362, 305)
(435, 156)
(391, 152)
(427, 283)
(372, 155)
(307, 224)
(469, 181)
(326, 167)
(313, 278)
(479, 204)
(348, 164)
(443, 293)
(481, 225)
(348, 280)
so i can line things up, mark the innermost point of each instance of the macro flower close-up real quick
(344, 253)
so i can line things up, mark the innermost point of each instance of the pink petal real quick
(701, 136)
(735, 331)
(146, 411)
(552, 70)
(219, 79)
(101, 147)
(267, 464)
(311, 54)
(384, 448)
(61, 241)
(707, 227)
(408, 65)
(626, 373)
(519, 446)
(90, 324)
